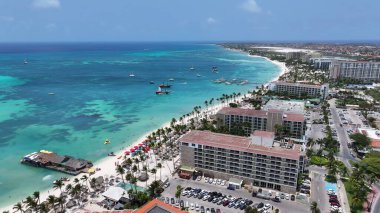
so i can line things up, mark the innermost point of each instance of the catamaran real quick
(165, 85)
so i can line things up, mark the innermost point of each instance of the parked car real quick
(202, 209)
(293, 197)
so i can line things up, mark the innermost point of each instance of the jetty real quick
(53, 161)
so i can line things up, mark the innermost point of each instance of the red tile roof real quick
(157, 203)
(238, 143)
(265, 134)
(375, 143)
(243, 112)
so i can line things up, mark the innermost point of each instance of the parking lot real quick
(284, 205)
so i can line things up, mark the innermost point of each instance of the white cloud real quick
(211, 20)
(44, 4)
(251, 6)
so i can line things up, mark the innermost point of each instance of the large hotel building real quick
(320, 91)
(256, 160)
(294, 123)
(361, 70)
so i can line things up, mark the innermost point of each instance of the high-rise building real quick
(321, 63)
(320, 91)
(361, 70)
(294, 123)
(257, 160)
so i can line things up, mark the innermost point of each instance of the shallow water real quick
(94, 98)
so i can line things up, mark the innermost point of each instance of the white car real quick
(192, 206)
(197, 208)
(210, 180)
(185, 193)
(218, 181)
(223, 182)
(267, 206)
(214, 182)
(206, 197)
(206, 179)
(287, 196)
(199, 178)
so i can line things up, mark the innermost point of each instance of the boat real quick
(214, 69)
(165, 85)
(111, 154)
(198, 75)
(51, 93)
(171, 79)
(227, 83)
(159, 91)
(25, 61)
(107, 141)
(192, 68)
(151, 82)
(220, 80)
(243, 82)
(131, 75)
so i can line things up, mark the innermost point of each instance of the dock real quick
(53, 161)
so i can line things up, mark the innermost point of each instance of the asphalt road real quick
(318, 192)
(376, 202)
(286, 206)
(344, 153)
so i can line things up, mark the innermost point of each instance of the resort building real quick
(321, 63)
(257, 160)
(294, 123)
(361, 70)
(286, 106)
(299, 89)
(157, 206)
(294, 55)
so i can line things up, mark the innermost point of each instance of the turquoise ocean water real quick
(94, 98)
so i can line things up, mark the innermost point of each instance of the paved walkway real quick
(343, 196)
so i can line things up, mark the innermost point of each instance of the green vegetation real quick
(360, 141)
(375, 94)
(372, 163)
(318, 160)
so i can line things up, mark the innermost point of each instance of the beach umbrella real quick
(141, 144)
(136, 147)
(132, 149)
(127, 152)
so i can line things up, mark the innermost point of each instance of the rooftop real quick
(261, 113)
(157, 206)
(296, 84)
(243, 112)
(286, 105)
(238, 143)
(265, 134)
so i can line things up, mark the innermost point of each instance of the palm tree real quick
(159, 165)
(58, 184)
(18, 207)
(313, 207)
(134, 181)
(154, 171)
(84, 179)
(179, 192)
(31, 203)
(51, 201)
(68, 187)
(120, 170)
(93, 183)
(43, 207)
(76, 191)
(36, 196)
(61, 201)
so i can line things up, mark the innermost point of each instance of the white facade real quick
(361, 70)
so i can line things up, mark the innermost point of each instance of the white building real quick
(320, 91)
(361, 70)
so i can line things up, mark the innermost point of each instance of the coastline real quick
(107, 164)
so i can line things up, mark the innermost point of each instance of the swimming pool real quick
(127, 186)
(329, 185)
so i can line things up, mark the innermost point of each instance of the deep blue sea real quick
(95, 98)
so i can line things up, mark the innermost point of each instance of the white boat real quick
(198, 75)
(25, 61)
(131, 75)
(192, 68)
(171, 79)
(227, 83)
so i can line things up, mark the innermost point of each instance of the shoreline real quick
(107, 164)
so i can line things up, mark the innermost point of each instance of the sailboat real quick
(165, 85)
(131, 75)
(159, 91)
(192, 68)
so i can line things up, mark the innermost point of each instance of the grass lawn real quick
(355, 209)
(319, 161)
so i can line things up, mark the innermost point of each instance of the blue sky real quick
(195, 20)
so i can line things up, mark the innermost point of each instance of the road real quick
(344, 154)
(318, 193)
(376, 202)
(285, 206)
